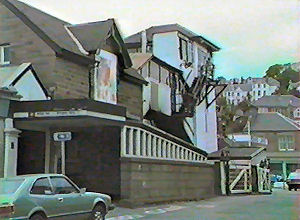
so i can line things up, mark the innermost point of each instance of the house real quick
(192, 87)
(283, 141)
(237, 93)
(262, 87)
(287, 105)
(91, 90)
(251, 89)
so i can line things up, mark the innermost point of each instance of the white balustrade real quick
(139, 143)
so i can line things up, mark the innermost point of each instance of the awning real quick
(61, 114)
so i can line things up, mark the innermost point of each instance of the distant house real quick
(295, 86)
(283, 137)
(251, 89)
(236, 93)
(192, 88)
(287, 105)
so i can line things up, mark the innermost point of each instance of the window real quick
(4, 55)
(238, 94)
(264, 93)
(8, 186)
(265, 85)
(286, 143)
(41, 187)
(258, 93)
(183, 49)
(62, 186)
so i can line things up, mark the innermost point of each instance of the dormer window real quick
(4, 55)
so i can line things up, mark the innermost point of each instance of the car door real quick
(73, 203)
(42, 195)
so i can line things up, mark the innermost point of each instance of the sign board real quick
(106, 78)
(62, 136)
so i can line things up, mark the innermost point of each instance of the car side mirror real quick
(83, 190)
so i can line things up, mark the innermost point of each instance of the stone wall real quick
(151, 181)
(71, 80)
(92, 159)
(130, 96)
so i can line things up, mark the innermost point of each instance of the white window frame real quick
(2, 61)
(286, 144)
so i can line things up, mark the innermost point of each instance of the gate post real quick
(11, 148)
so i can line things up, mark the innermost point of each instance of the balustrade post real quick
(154, 147)
(130, 141)
(144, 144)
(138, 142)
(149, 144)
(169, 150)
(123, 141)
(159, 148)
(164, 149)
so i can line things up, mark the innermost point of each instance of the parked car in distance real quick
(293, 180)
(53, 196)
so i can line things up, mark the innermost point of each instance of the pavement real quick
(281, 205)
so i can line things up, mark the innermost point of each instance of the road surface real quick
(281, 205)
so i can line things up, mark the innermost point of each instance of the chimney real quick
(144, 41)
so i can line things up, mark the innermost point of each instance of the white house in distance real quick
(191, 55)
(252, 88)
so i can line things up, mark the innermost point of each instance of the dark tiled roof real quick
(134, 74)
(243, 87)
(169, 124)
(98, 33)
(53, 32)
(264, 122)
(241, 152)
(44, 24)
(268, 80)
(136, 38)
(278, 101)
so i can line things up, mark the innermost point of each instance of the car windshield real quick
(10, 186)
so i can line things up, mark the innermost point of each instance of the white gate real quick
(263, 178)
(240, 177)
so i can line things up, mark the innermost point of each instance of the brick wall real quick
(130, 96)
(92, 159)
(71, 79)
(149, 181)
(26, 46)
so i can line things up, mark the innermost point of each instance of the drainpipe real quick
(144, 41)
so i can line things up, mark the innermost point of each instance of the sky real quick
(253, 34)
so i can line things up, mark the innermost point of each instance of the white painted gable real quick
(24, 80)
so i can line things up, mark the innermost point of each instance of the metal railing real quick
(139, 143)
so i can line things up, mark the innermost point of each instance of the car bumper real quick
(111, 207)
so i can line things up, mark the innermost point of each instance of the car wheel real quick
(290, 188)
(98, 213)
(37, 217)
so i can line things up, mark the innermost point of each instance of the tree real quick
(284, 74)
